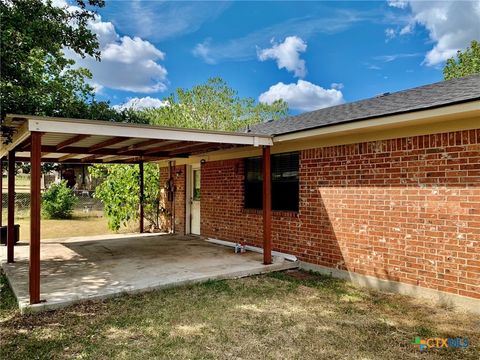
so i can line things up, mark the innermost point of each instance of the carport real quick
(38, 139)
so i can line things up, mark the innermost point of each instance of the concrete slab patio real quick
(77, 269)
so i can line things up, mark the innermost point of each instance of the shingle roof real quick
(424, 97)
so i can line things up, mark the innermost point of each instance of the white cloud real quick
(244, 48)
(141, 103)
(161, 20)
(401, 4)
(202, 50)
(451, 25)
(127, 63)
(303, 95)
(287, 55)
(393, 57)
(337, 86)
(390, 34)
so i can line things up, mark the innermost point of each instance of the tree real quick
(119, 192)
(215, 106)
(466, 63)
(37, 78)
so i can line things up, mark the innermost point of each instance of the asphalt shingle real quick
(424, 97)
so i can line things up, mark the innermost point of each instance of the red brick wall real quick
(406, 210)
(180, 183)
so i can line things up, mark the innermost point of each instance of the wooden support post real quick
(35, 176)
(1, 192)
(142, 196)
(267, 207)
(11, 206)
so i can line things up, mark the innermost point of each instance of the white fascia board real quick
(106, 129)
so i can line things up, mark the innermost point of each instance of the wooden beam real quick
(91, 158)
(65, 157)
(127, 160)
(1, 192)
(267, 207)
(192, 147)
(71, 141)
(139, 145)
(35, 176)
(142, 196)
(107, 143)
(170, 147)
(136, 159)
(151, 152)
(115, 158)
(11, 206)
(198, 149)
(86, 151)
(24, 145)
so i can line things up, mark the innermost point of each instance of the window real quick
(285, 187)
(196, 185)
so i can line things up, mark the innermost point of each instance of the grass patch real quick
(53, 229)
(287, 315)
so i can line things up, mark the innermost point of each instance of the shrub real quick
(58, 201)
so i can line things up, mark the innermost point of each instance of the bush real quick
(58, 201)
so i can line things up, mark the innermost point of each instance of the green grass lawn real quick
(293, 315)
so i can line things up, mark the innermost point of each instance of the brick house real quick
(384, 192)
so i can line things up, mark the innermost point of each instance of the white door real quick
(195, 201)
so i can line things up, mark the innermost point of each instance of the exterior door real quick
(195, 201)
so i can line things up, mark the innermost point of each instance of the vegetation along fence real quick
(85, 204)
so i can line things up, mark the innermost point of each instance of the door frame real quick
(189, 196)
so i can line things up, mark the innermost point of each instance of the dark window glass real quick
(253, 183)
(285, 187)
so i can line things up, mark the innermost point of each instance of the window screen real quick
(285, 186)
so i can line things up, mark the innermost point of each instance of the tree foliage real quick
(120, 193)
(58, 201)
(214, 105)
(37, 78)
(466, 63)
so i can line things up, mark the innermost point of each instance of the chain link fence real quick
(86, 204)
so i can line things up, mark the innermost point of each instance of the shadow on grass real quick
(314, 280)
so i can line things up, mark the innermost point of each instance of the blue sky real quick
(312, 54)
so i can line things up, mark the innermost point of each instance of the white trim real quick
(105, 128)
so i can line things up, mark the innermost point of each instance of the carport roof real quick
(93, 141)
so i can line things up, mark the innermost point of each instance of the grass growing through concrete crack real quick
(286, 315)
